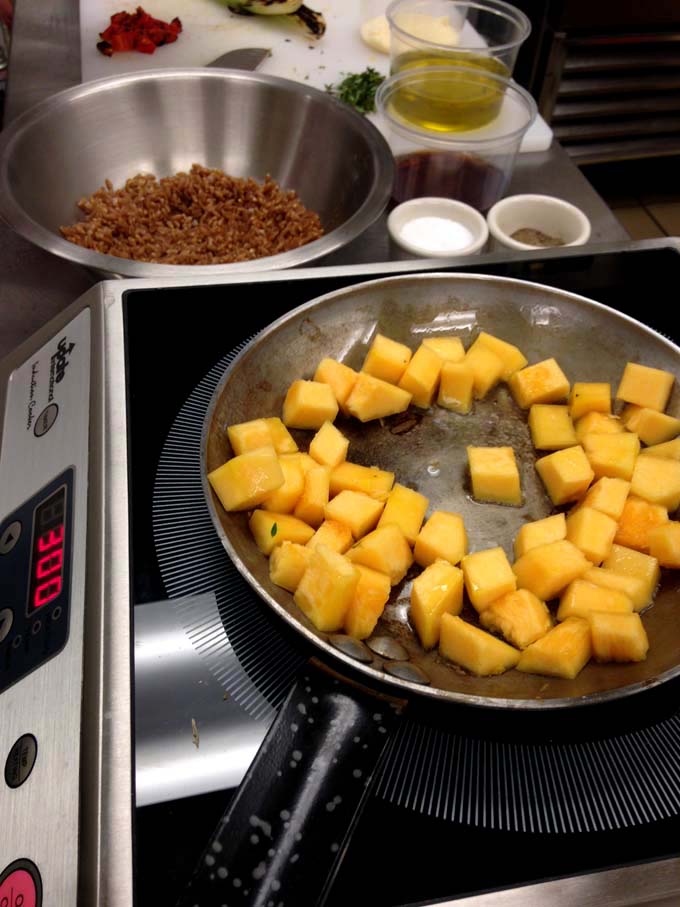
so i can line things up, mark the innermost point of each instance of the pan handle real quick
(283, 836)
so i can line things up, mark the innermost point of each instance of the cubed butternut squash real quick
(443, 536)
(563, 652)
(519, 616)
(455, 387)
(639, 517)
(635, 587)
(670, 450)
(373, 398)
(544, 382)
(421, 376)
(608, 496)
(312, 502)
(581, 597)
(494, 475)
(629, 562)
(475, 650)
(406, 508)
(651, 426)
(589, 397)
(548, 569)
(488, 575)
(354, 477)
(540, 532)
(282, 439)
(358, 511)
(246, 480)
(565, 473)
(486, 368)
(612, 455)
(657, 480)
(334, 535)
(597, 423)
(617, 637)
(449, 349)
(326, 590)
(592, 532)
(664, 544)
(339, 376)
(386, 359)
(645, 386)
(329, 446)
(272, 529)
(284, 499)
(287, 562)
(551, 427)
(245, 436)
(308, 404)
(437, 590)
(511, 356)
(371, 594)
(385, 550)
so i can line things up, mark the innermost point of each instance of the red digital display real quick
(47, 560)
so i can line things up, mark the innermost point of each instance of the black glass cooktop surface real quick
(397, 856)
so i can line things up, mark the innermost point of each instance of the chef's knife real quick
(243, 58)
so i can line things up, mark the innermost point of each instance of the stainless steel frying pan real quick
(304, 791)
(427, 451)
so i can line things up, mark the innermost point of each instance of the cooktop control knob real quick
(20, 885)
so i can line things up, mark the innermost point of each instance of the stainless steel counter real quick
(45, 58)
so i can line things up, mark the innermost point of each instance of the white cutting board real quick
(209, 30)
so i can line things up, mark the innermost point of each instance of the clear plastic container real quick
(436, 153)
(487, 34)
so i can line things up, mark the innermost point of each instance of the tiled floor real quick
(644, 195)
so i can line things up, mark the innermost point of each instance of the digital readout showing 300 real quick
(47, 554)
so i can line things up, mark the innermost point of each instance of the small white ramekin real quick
(444, 211)
(550, 215)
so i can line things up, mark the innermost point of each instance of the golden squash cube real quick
(339, 376)
(617, 637)
(354, 477)
(563, 652)
(368, 603)
(635, 563)
(486, 368)
(551, 426)
(386, 359)
(385, 550)
(442, 537)
(657, 480)
(329, 446)
(455, 387)
(645, 386)
(421, 376)
(475, 650)
(589, 397)
(651, 426)
(581, 597)
(287, 563)
(373, 398)
(598, 423)
(664, 544)
(612, 455)
(540, 532)
(519, 616)
(608, 496)
(511, 356)
(449, 349)
(566, 474)
(438, 590)
(358, 511)
(326, 589)
(312, 502)
(637, 520)
(284, 499)
(272, 529)
(670, 450)
(488, 575)
(245, 436)
(303, 460)
(494, 475)
(282, 439)
(592, 532)
(544, 382)
(548, 569)
(334, 535)
(246, 480)
(632, 586)
(308, 404)
(405, 508)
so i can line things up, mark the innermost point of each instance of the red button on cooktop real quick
(20, 885)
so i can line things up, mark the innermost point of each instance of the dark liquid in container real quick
(448, 174)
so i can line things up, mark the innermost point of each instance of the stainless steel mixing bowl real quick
(163, 121)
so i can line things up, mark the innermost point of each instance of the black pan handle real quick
(282, 838)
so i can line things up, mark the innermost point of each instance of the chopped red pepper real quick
(137, 31)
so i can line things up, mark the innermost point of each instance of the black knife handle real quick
(282, 838)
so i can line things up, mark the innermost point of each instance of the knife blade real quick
(249, 58)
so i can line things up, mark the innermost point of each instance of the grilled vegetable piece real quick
(314, 22)
(562, 652)
(327, 589)
(437, 590)
(473, 649)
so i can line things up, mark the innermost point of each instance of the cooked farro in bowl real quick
(124, 148)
